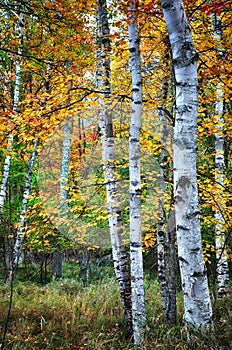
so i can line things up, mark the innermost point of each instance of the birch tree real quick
(166, 220)
(136, 258)
(105, 125)
(17, 252)
(197, 304)
(6, 169)
(220, 240)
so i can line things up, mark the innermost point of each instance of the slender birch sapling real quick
(220, 239)
(136, 258)
(105, 125)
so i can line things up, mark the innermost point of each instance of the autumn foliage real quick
(57, 55)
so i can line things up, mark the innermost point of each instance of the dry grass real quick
(67, 315)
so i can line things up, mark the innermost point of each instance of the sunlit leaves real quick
(58, 81)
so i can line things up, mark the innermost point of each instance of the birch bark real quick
(17, 252)
(166, 221)
(6, 169)
(197, 304)
(220, 240)
(136, 258)
(105, 125)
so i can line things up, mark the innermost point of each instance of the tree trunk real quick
(220, 240)
(136, 258)
(7, 162)
(64, 210)
(6, 172)
(167, 266)
(57, 264)
(19, 233)
(68, 127)
(166, 226)
(105, 125)
(166, 244)
(197, 304)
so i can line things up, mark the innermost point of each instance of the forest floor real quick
(80, 314)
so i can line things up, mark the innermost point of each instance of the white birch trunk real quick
(105, 125)
(220, 240)
(17, 252)
(7, 162)
(197, 304)
(6, 172)
(65, 164)
(136, 258)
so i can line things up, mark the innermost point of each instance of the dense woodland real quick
(115, 173)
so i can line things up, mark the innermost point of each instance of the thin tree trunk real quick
(167, 266)
(8, 243)
(65, 164)
(220, 240)
(6, 172)
(170, 307)
(17, 252)
(166, 226)
(57, 263)
(197, 304)
(57, 255)
(105, 125)
(136, 258)
(7, 162)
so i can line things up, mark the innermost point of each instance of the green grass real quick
(70, 315)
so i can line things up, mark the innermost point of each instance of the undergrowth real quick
(68, 314)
